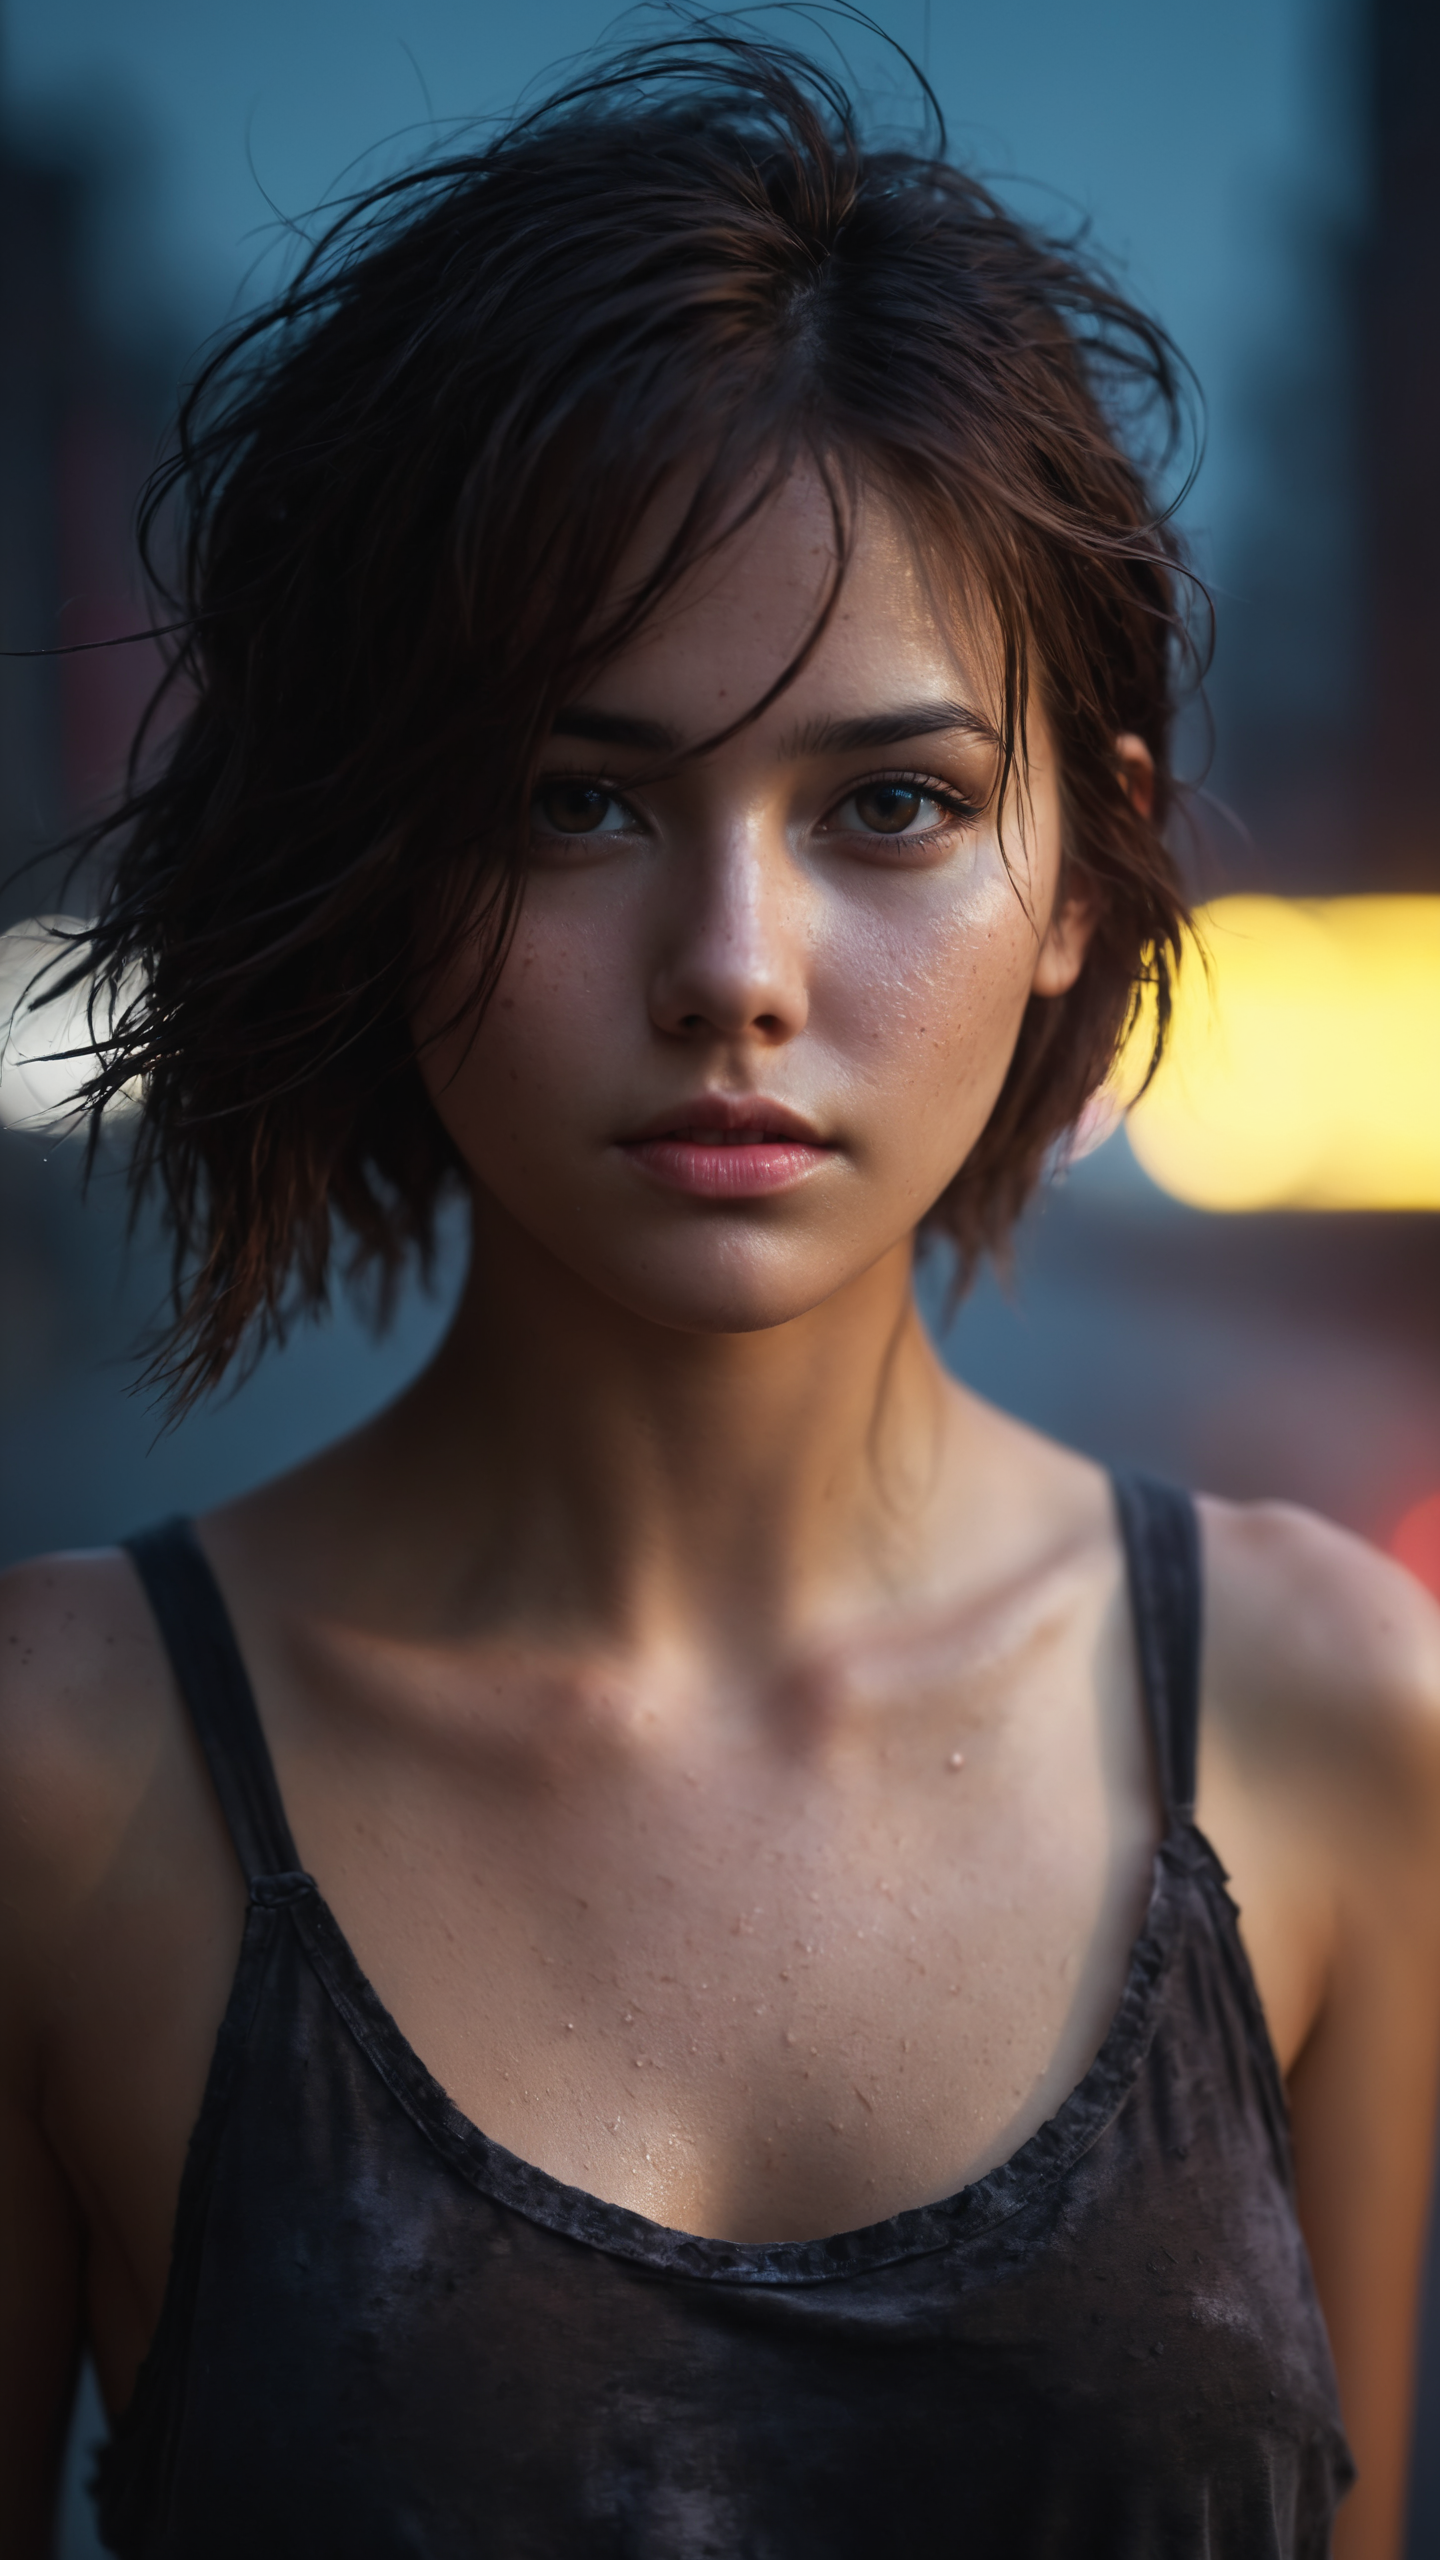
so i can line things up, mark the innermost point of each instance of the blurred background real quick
(1266, 176)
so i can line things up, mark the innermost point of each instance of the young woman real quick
(623, 1963)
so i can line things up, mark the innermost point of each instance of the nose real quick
(731, 961)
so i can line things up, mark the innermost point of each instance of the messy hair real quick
(403, 491)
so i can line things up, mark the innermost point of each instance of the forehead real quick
(735, 621)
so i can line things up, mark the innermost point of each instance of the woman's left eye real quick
(895, 808)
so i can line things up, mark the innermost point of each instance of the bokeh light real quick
(46, 1045)
(1303, 1069)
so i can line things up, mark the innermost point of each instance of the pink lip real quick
(720, 1147)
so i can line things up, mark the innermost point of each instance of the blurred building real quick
(40, 338)
(1398, 407)
(1328, 675)
(79, 424)
(80, 419)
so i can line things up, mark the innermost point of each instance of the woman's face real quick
(757, 1010)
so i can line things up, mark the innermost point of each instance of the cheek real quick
(550, 1019)
(932, 1002)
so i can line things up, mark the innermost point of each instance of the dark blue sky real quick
(1201, 139)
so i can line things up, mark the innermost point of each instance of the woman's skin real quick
(716, 1730)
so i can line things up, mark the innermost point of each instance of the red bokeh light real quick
(1416, 1542)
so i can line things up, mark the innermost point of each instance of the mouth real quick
(727, 1147)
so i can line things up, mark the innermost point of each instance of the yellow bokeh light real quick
(1303, 1069)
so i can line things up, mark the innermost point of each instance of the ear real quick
(1136, 769)
(1061, 956)
(1062, 953)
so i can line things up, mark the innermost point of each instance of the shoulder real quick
(79, 1653)
(85, 1711)
(1322, 1657)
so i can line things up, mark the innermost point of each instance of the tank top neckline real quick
(1163, 1572)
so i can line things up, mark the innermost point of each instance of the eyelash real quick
(959, 807)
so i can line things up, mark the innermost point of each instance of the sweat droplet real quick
(956, 1760)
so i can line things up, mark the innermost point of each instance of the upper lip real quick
(728, 1115)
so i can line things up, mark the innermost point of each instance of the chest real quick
(749, 1990)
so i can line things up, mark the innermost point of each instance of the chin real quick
(731, 1292)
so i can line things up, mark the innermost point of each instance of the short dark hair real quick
(403, 491)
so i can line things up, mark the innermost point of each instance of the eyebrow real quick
(615, 729)
(814, 737)
(889, 729)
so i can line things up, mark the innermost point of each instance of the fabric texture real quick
(385, 2335)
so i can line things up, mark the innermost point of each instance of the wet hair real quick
(402, 491)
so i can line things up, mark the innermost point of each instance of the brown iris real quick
(573, 808)
(889, 807)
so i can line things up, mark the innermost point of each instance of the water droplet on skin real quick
(956, 1760)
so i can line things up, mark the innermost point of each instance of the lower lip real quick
(726, 1172)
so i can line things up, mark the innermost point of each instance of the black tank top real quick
(385, 2336)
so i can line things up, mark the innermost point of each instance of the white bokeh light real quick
(47, 1055)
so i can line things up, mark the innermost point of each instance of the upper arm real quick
(58, 1804)
(1323, 1697)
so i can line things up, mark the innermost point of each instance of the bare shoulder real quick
(85, 1711)
(1321, 1654)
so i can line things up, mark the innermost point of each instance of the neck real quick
(573, 1459)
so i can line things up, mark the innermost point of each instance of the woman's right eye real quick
(575, 808)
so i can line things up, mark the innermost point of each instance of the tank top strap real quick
(1162, 1553)
(212, 1679)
